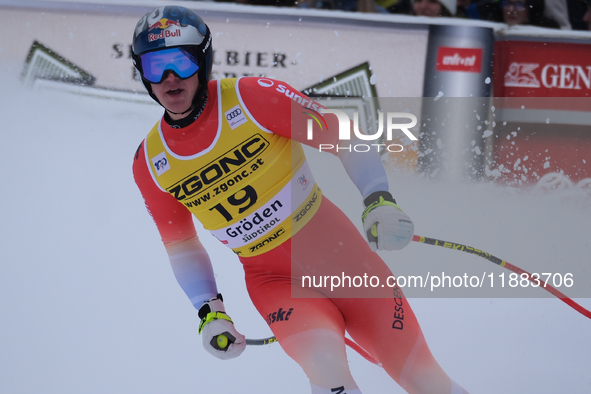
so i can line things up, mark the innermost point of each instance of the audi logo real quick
(234, 114)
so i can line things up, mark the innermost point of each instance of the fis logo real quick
(160, 163)
(303, 181)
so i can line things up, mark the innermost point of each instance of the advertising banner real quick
(528, 68)
(542, 114)
(90, 45)
(458, 78)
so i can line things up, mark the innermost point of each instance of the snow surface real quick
(88, 303)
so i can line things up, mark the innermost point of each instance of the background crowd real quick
(558, 14)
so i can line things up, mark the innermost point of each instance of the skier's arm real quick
(281, 109)
(190, 263)
(189, 260)
(385, 225)
(365, 170)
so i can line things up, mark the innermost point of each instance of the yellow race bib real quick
(251, 188)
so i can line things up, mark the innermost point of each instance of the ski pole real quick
(503, 263)
(221, 341)
(260, 342)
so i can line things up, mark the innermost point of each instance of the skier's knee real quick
(321, 354)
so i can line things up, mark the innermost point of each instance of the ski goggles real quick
(178, 60)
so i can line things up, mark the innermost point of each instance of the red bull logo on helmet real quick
(163, 25)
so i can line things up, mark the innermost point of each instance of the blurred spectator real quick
(278, 3)
(526, 12)
(486, 10)
(396, 6)
(576, 12)
(587, 16)
(434, 7)
(515, 12)
(558, 10)
(462, 8)
(343, 5)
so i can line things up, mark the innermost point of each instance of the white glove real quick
(386, 226)
(220, 338)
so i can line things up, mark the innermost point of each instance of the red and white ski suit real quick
(218, 168)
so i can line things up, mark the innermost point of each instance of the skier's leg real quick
(310, 330)
(331, 245)
(389, 331)
(379, 319)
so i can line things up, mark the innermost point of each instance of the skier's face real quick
(175, 94)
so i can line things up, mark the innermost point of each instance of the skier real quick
(225, 151)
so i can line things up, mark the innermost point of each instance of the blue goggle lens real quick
(179, 60)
